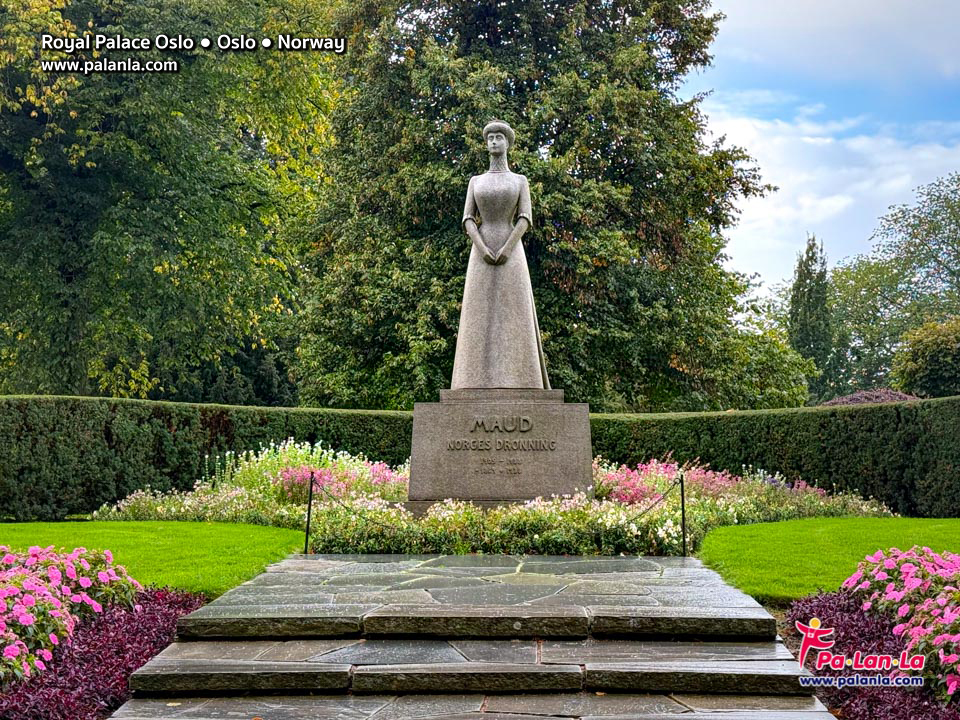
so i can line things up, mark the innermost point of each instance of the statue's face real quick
(496, 143)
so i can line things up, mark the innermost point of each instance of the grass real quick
(201, 557)
(779, 562)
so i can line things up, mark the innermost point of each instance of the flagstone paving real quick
(386, 637)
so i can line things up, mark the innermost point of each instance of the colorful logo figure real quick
(814, 638)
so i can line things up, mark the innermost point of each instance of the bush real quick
(68, 455)
(88, 676)
(43, 594)
(636, 511)
(871, 634)
(928, 360)
(895, 602)
(904, 454)
(71, 455)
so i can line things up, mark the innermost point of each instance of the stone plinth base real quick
(499, 445)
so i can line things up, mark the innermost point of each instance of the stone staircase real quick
(392, 637)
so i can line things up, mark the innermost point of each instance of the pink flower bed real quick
(294, 481)
(917, 589)
(88, 677)
(43, 594)
(648, 480)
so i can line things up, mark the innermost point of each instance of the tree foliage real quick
(911, 277)
(141, 216)
(928, 361)
(629, 201)
(808, 323)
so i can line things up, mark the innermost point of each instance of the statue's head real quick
(498, 128)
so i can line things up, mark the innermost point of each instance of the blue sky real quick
(847, 105)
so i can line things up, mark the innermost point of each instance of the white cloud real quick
(835, 179)
(888, 40)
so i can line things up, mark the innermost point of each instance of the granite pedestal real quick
(493, 446)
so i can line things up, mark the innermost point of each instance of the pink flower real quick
(45, 654)
(876, 557)
(85, 582)
(103, 577)
(28, 600)
(26, 619)
(867, 605)
(108, 555)
(54, 639)
(904, 609)
(898, 630)
(39, 665)
(55, 575)
(11, 651)
(9, 559)
(953, 682)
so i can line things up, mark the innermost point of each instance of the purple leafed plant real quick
(855, 630)
(87, 678)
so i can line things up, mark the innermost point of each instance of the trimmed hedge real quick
(906, 454)
(68, 455)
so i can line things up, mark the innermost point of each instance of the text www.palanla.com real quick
(846, 681)
(106, 65)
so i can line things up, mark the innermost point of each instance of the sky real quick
(848, 106)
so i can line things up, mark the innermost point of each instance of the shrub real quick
(70, 455)
(637, 510)
(42, 596)
(872, 634)
(66, 455)
(918, 588)
(927, 363)
(88, 675)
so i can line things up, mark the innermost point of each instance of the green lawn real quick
(201, 557)
(779, 562)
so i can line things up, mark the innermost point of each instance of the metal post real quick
(306, 540)
(683, 513)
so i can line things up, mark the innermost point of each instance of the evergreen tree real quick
(808, 323)
(626, 250)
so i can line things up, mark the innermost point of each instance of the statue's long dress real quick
(498, 344)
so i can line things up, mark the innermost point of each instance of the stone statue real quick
(498, 344)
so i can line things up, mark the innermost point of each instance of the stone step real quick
(562, 706)
(308, 620)
(430, 665)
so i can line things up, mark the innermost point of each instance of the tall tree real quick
(630, 201)
(808, 321)
(911, 277)
(142, 215)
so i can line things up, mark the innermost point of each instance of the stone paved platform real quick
(487, 637)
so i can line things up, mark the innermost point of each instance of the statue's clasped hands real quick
(500, 257)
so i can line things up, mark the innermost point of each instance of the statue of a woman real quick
(498, 344)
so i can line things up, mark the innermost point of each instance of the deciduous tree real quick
(630, 200)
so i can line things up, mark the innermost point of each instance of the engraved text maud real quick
(502, 423)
